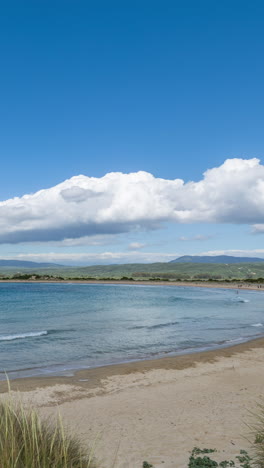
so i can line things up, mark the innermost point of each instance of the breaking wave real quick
(151, 327)
(20, 336)
(240, 299)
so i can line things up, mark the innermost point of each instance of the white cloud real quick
(136, 246)
(258, 229)
(198, 237)
(86, 206)
(237, 253)
(98, 240)
(93, 258)
(120, 257)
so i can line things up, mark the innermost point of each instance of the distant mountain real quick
(215, 259)
(25, 264)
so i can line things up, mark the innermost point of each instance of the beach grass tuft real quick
(27, 441)
(258, 434)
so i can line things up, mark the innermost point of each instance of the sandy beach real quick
(157, 410)
(131, 234)
(195, 284)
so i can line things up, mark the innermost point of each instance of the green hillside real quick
(169, 271)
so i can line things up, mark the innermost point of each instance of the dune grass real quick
(257, 430)
(26, 441)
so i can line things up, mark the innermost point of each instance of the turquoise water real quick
(57, 328)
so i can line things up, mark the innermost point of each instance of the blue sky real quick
(170, 88)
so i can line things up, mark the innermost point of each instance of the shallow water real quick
(58, 328)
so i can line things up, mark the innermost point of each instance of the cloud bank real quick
(93, 258)
(117, 203)
(108, 257)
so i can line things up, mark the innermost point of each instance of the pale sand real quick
(196, 284)
(158, 410)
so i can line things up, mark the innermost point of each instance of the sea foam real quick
(240, 299)
(22, 335)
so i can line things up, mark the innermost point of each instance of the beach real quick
(131, 240)
(157, 410)
(198, 284)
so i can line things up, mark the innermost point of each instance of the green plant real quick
(196, 461)
(26, 441)
(244, 459)
(257, 428)
(259, 438)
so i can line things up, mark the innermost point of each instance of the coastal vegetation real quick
(201, 458)
(204, 277)
(26, 441)
(251, 272)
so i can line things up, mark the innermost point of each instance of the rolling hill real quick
(227, 259)
(182, 270)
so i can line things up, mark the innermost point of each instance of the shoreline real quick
(90, 378)
(175, 358)
(158, 409)
(196, 284)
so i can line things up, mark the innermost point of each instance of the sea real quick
(56, 329)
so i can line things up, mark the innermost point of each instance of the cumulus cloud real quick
(78, 194)
(117, 203)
